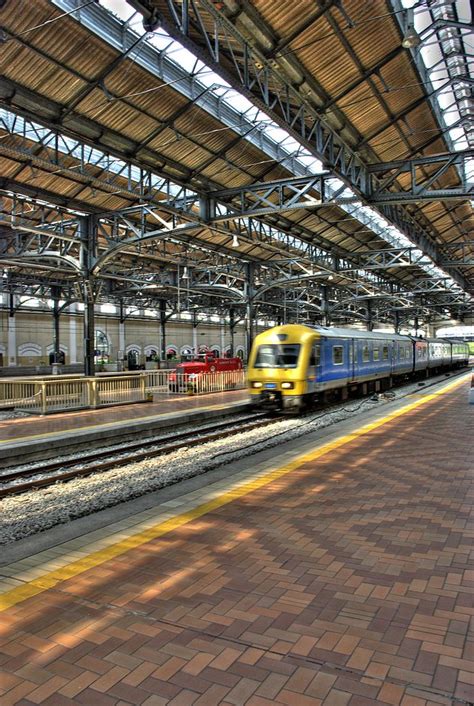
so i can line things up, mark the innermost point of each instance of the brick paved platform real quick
(343, 580)
(12, 429)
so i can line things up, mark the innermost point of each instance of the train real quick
(293, 366)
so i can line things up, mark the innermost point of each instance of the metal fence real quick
(60, 394)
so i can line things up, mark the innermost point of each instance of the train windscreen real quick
(277, 356)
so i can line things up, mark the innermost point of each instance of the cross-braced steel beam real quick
(206, 32)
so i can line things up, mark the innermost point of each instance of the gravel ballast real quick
(35, 511)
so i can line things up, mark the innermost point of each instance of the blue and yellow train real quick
(292, 366)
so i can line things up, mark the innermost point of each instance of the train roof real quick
(356, 333)
(337, 332)
(452, 340)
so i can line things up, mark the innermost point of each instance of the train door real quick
(352, 372)
(314, 371)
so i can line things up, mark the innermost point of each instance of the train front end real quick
(277, 374)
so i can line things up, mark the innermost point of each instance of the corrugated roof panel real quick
(364, 111)
(185, 152)
(22, 22)
(116, 115)
(148, 93)
(37, 73)
(282, 17)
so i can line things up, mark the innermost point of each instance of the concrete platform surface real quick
(334, 570)
(37, 435)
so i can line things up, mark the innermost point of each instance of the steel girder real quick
(142, 230)
(245, 68)
(180, 200)
(163, 191)
(143, 256)
(295, 193)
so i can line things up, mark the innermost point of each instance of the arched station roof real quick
(201, 153)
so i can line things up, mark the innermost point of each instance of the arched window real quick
(101, 346)
(151, 353)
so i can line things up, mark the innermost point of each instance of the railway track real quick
(44, 474)
(48, 473)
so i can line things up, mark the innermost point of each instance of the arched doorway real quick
(133, 359)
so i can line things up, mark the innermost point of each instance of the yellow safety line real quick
(125, 422)
(52, 578)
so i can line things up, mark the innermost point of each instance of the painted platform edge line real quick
(50, 580)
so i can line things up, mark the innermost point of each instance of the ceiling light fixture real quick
(235, 242)
(411, 38)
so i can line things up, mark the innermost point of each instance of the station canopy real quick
(201, 155)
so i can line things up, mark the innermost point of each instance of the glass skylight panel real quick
(119, 8)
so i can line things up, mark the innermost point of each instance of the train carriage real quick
(291, 366)
(459, 353)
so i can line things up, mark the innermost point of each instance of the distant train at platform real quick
(293, 366)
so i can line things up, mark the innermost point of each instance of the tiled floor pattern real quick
(12, 429)
(344, 582)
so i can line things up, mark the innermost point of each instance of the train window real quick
(385, 353)
(376, 353)
(365, 354)
(337, 355)
(402, 353)
(277, 356)
(315, 358)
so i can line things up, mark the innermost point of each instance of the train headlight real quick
(287, 385)
(257, 384)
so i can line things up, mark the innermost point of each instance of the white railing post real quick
(43, 398)
(93, 401)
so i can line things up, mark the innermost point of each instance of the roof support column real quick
(11, 352)
(195, 339)
(324, 305)
(396, 323)
(250, 309)
(232, 323)
(56, 293)
(88, 251)
(163, 320)
(370, 323)
(121, 335)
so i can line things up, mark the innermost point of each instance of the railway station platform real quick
(330, 571)
(35, 436)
